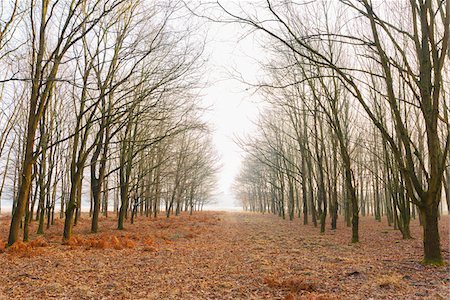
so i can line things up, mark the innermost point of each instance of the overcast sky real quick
(233, 106)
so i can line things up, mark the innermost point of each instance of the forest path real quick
(223, 255)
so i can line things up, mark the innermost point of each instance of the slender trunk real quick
(41, 177)
(351, 191)
(333, 187)
(71, 205)
(305, 200)
(105, 198)
(311, 196)
(291, 198)
(41, 219)
(63, 196)
(447, 188)
(49, 211)
(123, 205)
(78, 200)
(27, 222)
(95, 187)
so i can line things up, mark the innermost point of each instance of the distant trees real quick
(386, 62)
(110, 89)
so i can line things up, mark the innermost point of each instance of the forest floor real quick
(221, 255)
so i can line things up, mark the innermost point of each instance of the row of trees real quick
(358, 112)
(101, 96)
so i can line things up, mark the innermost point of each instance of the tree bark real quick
(431, 240)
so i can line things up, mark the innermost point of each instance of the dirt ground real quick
(221, 255)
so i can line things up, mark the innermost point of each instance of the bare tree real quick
(411, 51)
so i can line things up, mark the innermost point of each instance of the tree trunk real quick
(305, 199)
(95, 187)
(71, 206)
(447, 188)
(26, 222)
(123, 206)
(24, 189)
(334, 215)
(79, 195)
(431, 240)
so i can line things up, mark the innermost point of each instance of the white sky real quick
(233, 107)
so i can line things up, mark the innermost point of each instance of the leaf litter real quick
(221, 255)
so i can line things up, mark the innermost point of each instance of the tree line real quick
(356, 120)
(101, 98)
